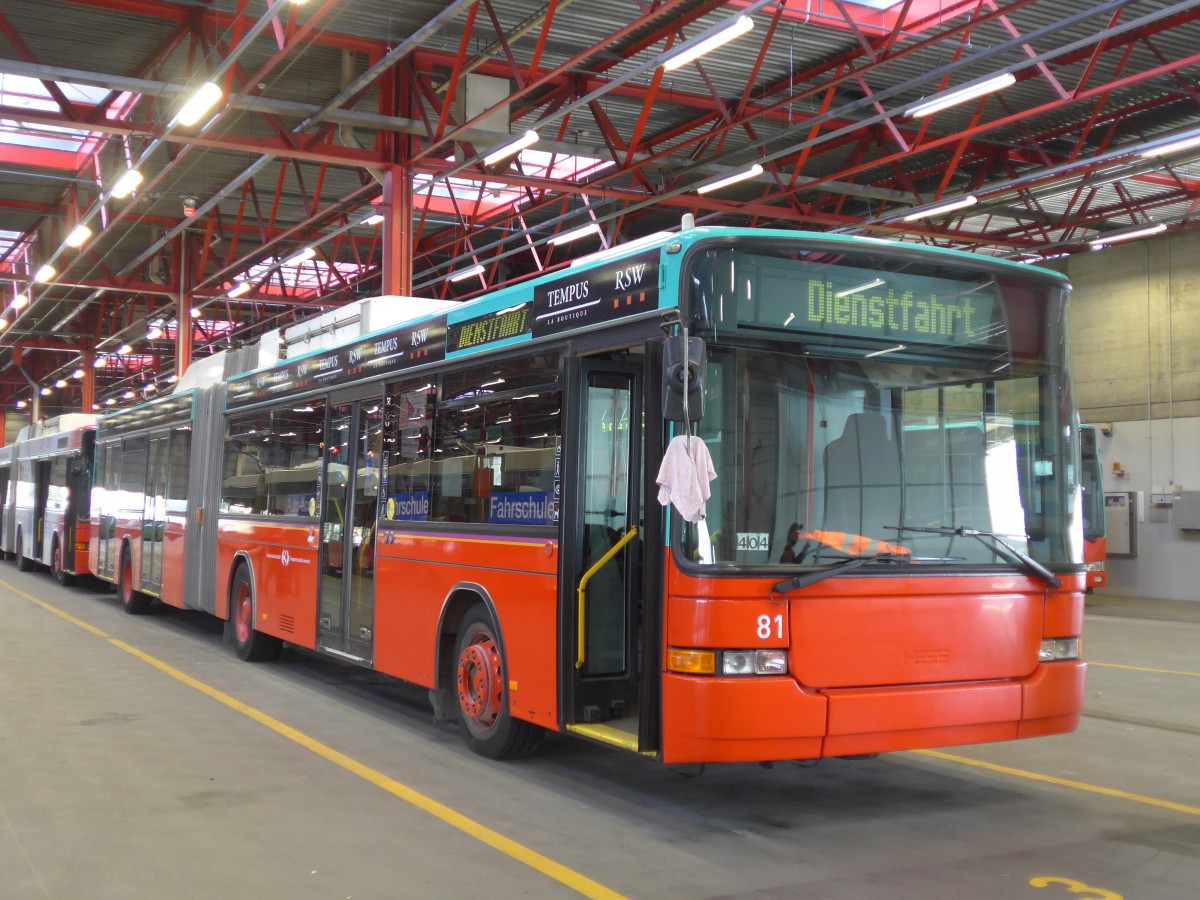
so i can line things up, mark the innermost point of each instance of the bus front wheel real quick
(480, 681)
(250, 644)
(135, 602)
(61, 575)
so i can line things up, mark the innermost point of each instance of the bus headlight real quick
(1095, 566)
(1059, 648)
(754, 662)
(727, 662)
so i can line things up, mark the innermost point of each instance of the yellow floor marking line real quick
(543, 864)
(1062, 782)
(1143, 669)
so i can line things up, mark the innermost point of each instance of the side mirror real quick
(679, 359)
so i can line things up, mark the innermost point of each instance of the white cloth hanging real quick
(684, 475)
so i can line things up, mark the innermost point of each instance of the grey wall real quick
(1135, 334)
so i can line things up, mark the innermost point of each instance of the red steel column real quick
(397, 246)
(89, 381)
(183, 304)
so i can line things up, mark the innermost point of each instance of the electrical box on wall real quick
(1187, 511)
(1120, 523)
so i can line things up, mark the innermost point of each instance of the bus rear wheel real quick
(135, 602)
(61, 575)
(250, 644)
(480, 680)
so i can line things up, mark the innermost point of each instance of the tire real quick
(61, 575)
(24, 563)
(250, 644)
(480, 683)
(135, 602)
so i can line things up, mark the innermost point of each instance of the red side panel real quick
(418, 573)
(284, 561)
(173, 562)
(77, 557)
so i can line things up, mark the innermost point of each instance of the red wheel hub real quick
(480, 681)
(241, 614)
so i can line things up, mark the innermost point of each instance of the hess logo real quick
(926, 657)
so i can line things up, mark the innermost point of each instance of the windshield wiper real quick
(1000, 546)
(838, 568)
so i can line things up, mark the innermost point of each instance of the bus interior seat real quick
(862, 478)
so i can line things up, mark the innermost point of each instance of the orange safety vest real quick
(853, 544)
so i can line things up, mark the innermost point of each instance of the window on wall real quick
(273, 461)
(492, 458)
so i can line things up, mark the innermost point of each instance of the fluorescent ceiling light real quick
(528, 139)
(78, 236)
(60, 384)
(45, 273)
(46, 392)
(1186, 143)
(77, 374)
(952, 98)
(567, 236)
(733, 29)
(305, 254)
(127, 184)
(877, 282)
(888, 350)
(124, 350)
(202, 101)
(373, 219)
(1128, 235)
(109, 401)
(242, 287)
(129, 395)
(20, 301)
(154, 333)
(753, 172)
(960, 203)
(469, 272)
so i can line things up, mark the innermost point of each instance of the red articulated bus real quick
(470, 500)
(1095, 542)
(46, 486)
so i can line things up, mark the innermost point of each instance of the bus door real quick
(5, 506)
(154, 517)
(41, 496)
(602, 553)
(346, 605)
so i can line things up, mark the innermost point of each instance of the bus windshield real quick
(854, 398)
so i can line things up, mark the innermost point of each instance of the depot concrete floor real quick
(140, 759)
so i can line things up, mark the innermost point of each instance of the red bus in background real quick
(469, 500)
(46, 476)
(1095, 545)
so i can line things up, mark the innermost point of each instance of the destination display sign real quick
(394, 350)
(488, 329)
(857, 302)
(622, 288)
